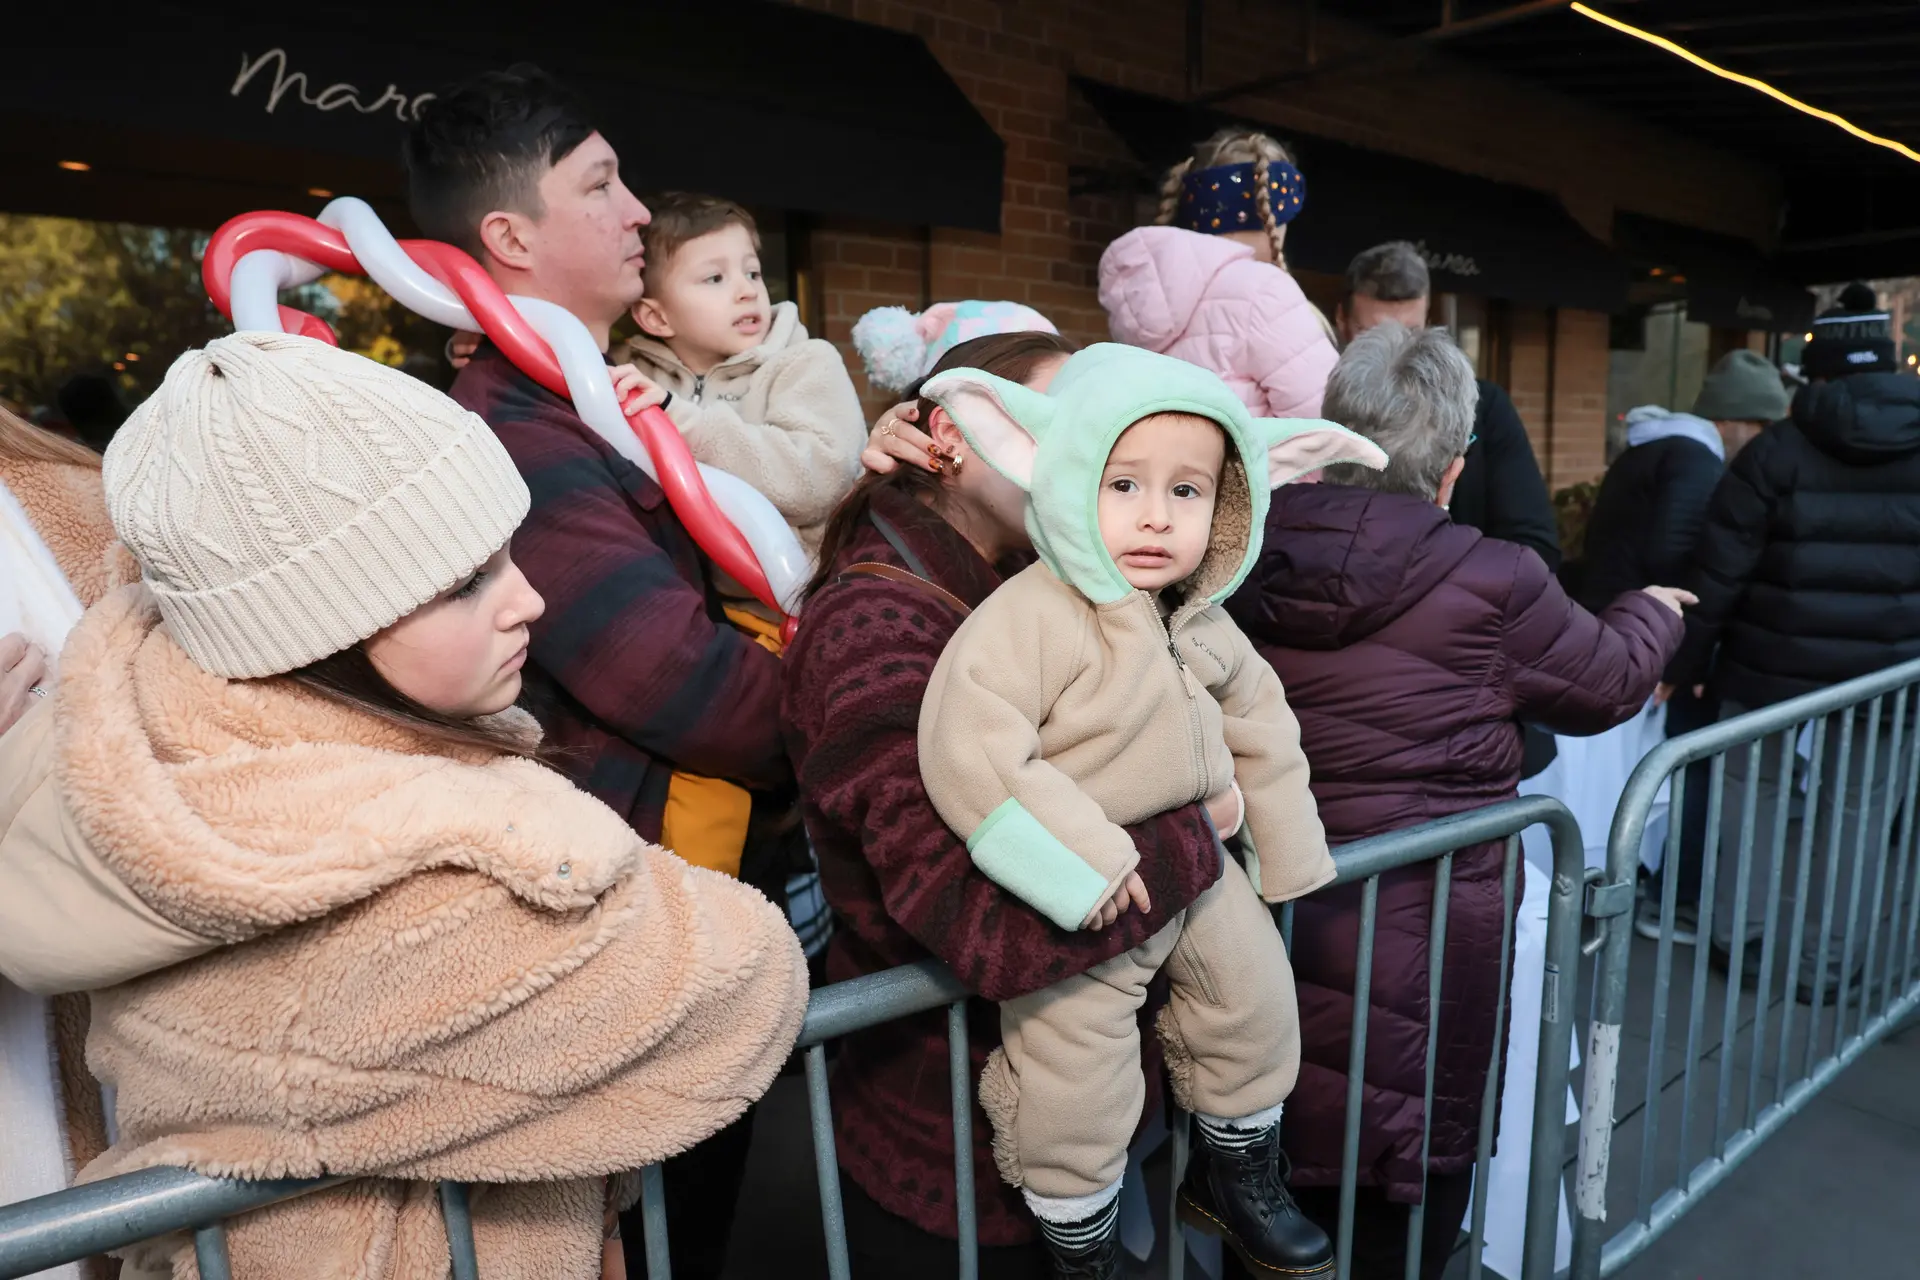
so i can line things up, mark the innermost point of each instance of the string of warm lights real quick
(1668, 46)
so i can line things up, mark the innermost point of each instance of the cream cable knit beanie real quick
(286, 499)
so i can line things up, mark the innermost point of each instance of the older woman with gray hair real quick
(1410, 648)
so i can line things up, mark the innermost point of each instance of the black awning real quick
(762, 102)
(1867, 255)
(1478, 236)
(1728, 281)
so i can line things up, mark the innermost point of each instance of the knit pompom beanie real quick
(1854, 336)
(899, 347)
(286, 500)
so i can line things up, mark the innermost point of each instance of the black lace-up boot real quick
(1237, 1191)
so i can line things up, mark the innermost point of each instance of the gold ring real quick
(886, 428)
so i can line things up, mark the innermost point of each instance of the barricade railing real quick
(1364, 862)
(1826, 781)
(117, 1212)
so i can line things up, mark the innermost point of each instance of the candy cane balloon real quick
(254, 256)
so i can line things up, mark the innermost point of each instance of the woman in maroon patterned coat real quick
(901, 884)
(1410, 647)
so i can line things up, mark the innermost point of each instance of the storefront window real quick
(1467, 317)
(1658, 358)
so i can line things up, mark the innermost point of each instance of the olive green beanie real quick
(1742, 386)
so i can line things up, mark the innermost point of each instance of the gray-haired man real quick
(1501, 492)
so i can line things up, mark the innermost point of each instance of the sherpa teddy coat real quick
(66, 506)
(783, 416)
(319, 945)
(1208, 300)
(1067, 705)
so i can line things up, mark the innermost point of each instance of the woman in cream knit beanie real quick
(280, 820)
(286, 499)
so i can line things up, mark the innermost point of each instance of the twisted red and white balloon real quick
(255, 255)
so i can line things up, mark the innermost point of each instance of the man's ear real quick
(1448, 479)
(1296, 446)
(508, 239)
(1002, 420)
(652, 319)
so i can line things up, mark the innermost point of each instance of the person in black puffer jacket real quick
(1808, 574)
(1645, 522)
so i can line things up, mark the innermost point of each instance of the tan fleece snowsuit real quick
(68, 509)
(318, 944)
(1067, 706)
(1089, 717)
(783, 416)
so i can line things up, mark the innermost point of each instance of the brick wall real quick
(1571, 441)
(1013, 61)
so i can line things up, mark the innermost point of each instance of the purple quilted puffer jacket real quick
(1410, 648)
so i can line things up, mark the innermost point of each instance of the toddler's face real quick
(709, 301)
(1157, 497)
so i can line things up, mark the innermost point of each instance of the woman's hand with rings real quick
(896, 439)
(23, 666)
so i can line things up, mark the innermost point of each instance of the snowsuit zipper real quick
(1195, 736)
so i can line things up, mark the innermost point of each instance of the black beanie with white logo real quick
(1855, 336)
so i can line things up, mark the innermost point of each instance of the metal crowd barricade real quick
(121, 1211)
(1823, 754)
(1365, 862)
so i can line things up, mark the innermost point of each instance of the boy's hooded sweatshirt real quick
(1068, 705)
(783, 416)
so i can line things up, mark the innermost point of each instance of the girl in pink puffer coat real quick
(1209, 284)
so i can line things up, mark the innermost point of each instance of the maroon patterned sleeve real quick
(855, 680)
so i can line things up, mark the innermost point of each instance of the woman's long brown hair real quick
(350, 679)
(21, 441)
(1013, 356)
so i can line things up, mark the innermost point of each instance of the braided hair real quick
(1229, 146)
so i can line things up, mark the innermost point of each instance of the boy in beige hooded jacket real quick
(750, 391)
(1101, 686)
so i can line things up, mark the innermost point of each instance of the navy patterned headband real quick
(1221, 199)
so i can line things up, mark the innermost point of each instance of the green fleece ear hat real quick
(1055, 446)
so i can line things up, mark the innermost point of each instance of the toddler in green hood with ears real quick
(1103, 685)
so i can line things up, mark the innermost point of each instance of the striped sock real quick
(1223, 1134)
(1075, 1223)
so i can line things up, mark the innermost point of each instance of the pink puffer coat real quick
(1209, 301)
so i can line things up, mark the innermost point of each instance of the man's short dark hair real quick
(484, 144)
(1391, 272)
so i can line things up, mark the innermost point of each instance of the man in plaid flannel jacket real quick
(634, 672)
